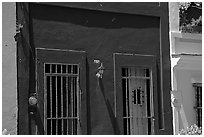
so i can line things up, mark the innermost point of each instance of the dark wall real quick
(100, 34)
(23, 64)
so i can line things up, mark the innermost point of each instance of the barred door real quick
(60, 83)
(137, 100)
(135, 93)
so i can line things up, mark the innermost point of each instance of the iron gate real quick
(137, 100)
(135, 93)
(61, 99)
(61, 92)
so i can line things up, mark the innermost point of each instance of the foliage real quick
(192, 130)
(190, 17)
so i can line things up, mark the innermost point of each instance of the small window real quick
(198, 103)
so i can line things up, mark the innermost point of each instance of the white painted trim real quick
(186, 62)
(196, 80)
(132, 54)
(59, 50)
(179, 34)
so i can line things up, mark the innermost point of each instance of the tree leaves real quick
(190, 14)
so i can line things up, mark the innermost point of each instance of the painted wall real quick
(100, 34)
(187, 70)
(186, 64)
(185, 77)
(9, 69)
(95, 33)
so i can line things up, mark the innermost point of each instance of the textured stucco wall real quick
(186, 64)
(186, 70)
(101, 34)
(99, 43)
(174, 16)
(9, 71)
(184, 77)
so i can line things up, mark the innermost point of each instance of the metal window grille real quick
(62, 98)
(137, 100)
(198, 103)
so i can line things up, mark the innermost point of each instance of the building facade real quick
(93, 68)
(186, 64)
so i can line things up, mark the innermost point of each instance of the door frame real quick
(126, 60)
(45, 55)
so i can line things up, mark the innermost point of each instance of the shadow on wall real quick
(110, 111)
(92, 18)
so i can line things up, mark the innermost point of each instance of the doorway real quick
(60, 83)
(135, 93)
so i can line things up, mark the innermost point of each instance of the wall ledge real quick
(185, 54)
(179, 34)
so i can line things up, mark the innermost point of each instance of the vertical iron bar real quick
(71, 101)
(45, 99)
(128, 90)
(67, 100)
(200, 96)
(78, 101)
(67, 94)
(144, 112)
(50, 92)
(200, 106)
(137, 118)
(74, 106)
(56, 102)
(200, 110)
(51, 104)
(126, 114)
(143, 124)
(127, 103)
(62, 115)
(197, 105)
(137, 100)
(198, 89)
(152, 103)
(45, 102)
